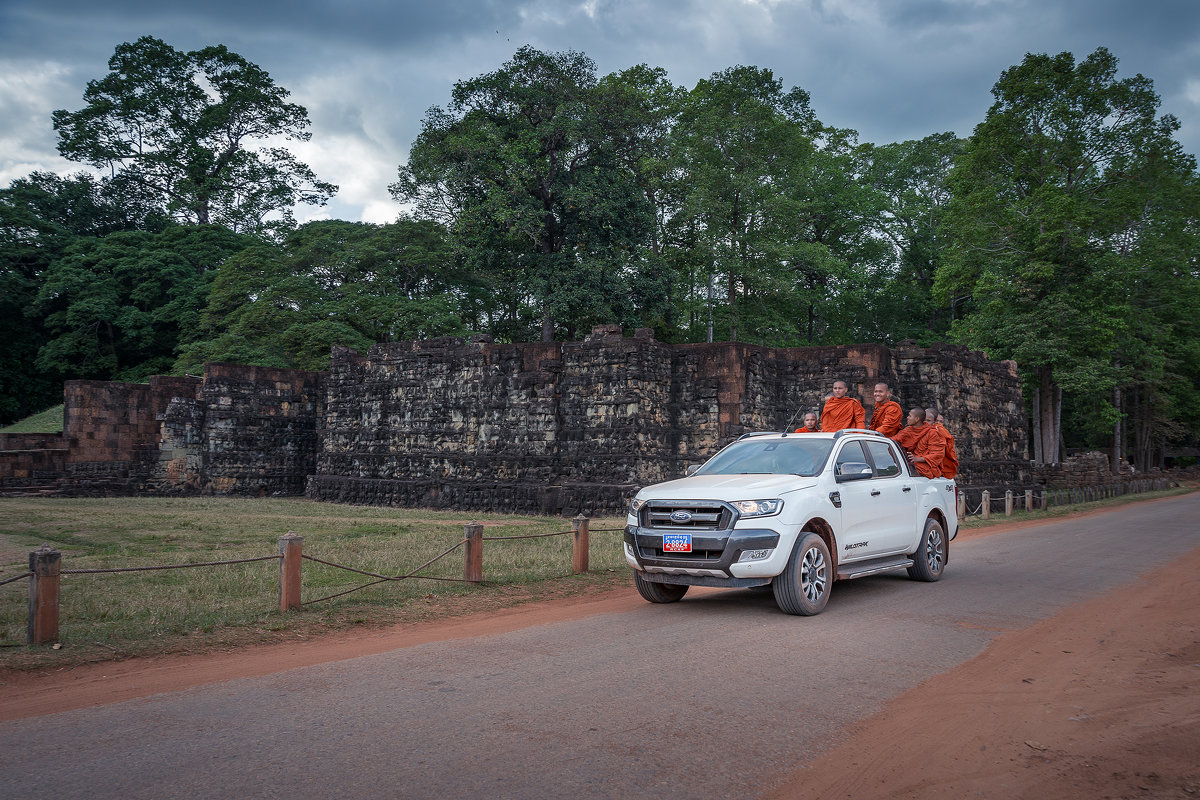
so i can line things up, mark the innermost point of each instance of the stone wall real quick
(981, 401)
(239, 430)
(32, 461)
(556, 427)
(112, 432)
(578, 426)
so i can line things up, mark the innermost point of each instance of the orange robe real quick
(887, 418)
(840, 413)
(806, 430)
(927, 442)
(950, 460)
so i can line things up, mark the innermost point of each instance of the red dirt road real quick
(1101, 700)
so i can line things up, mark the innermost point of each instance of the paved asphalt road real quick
(717, 696)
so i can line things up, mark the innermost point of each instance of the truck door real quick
(897, 493)
(862, 507)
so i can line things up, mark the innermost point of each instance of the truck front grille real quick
(701, 515)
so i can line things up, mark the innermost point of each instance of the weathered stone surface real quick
(578, 426)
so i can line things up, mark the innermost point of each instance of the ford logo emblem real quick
(680, 516)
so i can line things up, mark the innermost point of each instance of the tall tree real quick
(1053, 172)
(740, 138)
(328, 283)
(192, 128)
(913, 177)
(524, 173)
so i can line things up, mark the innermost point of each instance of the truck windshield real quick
(791, 456)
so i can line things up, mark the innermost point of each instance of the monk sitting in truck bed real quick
(923, 443)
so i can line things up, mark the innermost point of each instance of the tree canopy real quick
(185, 127)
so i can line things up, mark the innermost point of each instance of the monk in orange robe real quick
(950, 461)
(810, 424)
(841, 412)
(887, 417)
(924, 444)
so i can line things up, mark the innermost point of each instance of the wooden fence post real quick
(291, 547)
(473, 553)
(986, 505)
(1008, 502)
(1028, 500)
(579, 544)
(44, 563)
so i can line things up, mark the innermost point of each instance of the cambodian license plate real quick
(677, 543)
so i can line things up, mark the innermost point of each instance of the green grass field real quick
(140, 612)
(48, 421)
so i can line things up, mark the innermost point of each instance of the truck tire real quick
(658, 592)
(803, 586)
(930, 559)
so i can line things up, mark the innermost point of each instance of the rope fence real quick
(1006, 501)
(46, 570)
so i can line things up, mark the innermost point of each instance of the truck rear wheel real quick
(803, 586)
(658, 592)
(930, 559)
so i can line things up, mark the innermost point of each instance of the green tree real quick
(40, 216)
(116, 307)
(191, 127)
(740, 139)
(527, 177)
(328, 283)
(913, 177)
(1054, 172)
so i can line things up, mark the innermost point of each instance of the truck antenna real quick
(788, 428)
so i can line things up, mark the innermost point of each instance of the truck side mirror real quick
(691, 469)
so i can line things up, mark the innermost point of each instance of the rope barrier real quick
(16, 578)
(386, 578)
(526, 536)
(168, 566)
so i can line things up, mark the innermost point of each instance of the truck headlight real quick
(635, 505)
(758, 508)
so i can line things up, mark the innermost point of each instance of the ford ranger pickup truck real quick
(793, 511)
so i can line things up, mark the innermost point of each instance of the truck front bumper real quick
(714, 556)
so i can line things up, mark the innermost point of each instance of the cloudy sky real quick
(366, 70)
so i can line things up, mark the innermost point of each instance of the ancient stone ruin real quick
(555, 427)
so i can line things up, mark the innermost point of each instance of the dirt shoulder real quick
(1101, 700)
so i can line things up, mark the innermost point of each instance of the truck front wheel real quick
(658, 592)
(803, 586)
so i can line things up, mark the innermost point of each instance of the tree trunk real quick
(1115, 462)
(1037, 426)
(547, 327)
(1048, 416)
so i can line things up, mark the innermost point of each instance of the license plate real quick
(677, 543)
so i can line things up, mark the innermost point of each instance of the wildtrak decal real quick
(856, 545)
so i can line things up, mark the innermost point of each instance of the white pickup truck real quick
(792, 511)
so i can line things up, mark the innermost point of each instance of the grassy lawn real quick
(120, 614)
(48, 421)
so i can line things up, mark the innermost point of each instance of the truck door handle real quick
(908, 488)
(875, 493)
